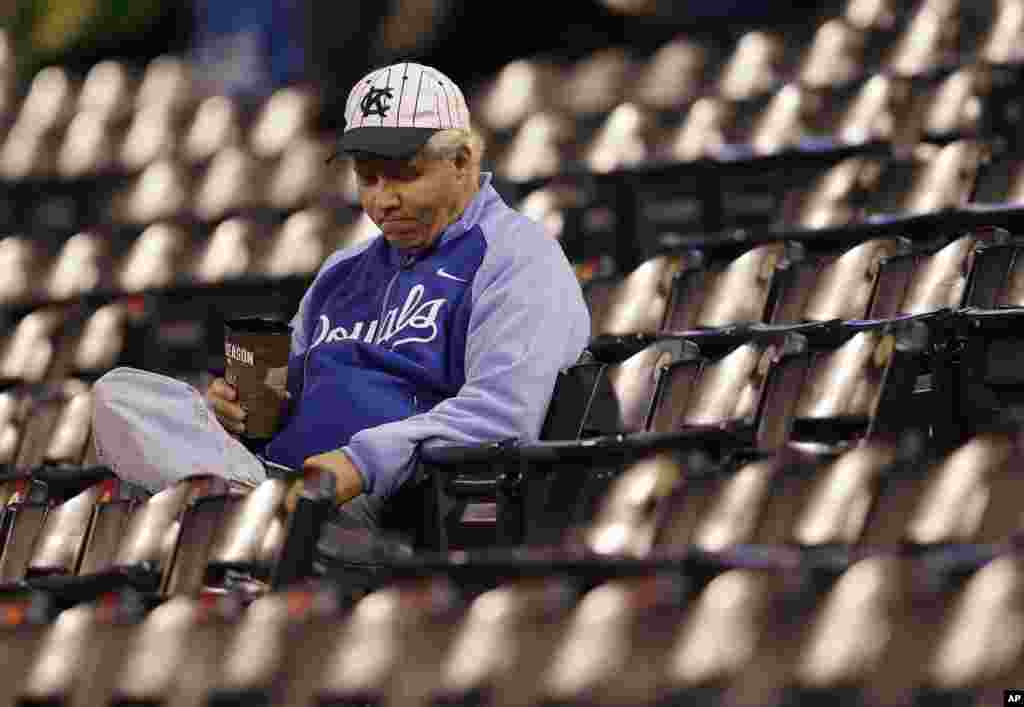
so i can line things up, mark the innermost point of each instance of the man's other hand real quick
(348, 480)
(223, 400)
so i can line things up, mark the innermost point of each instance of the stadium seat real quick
(82, 652)
(871, 600)
(28, 351)
(871, 113)
(28, 154)
(596, 83)
(180, 636)
(151, 261)
(25, 623)
(672, 77)
(216, 125)
(827, 502)
(638, 302)
(161, 192)
(49, 102)
(613, 648)
(962, 498)
(107, 92)
(208, 499)
(754, 67)
(232, 184)
(1001, 45)
(299, 245)
(931, 277)
(24, 260)
(624, 140)
(298, 179)
(89, 147)
(520, 89)
(859, 390)
(961, 663)
(725, 291)
(289, 113)
(168, 85)
(723, 635)
(154, 134)
(541, 147)
(250, 539)
(230, 252)
(834, 57)
(25, 508)
(961, 105)
(506, 634)
(929, 41)
(405, 625)
(81, 267)
(821, 286)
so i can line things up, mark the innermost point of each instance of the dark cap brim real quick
(397, 143)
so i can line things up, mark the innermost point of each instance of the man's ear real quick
(463, 159)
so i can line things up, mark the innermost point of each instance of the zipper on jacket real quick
(406, 261)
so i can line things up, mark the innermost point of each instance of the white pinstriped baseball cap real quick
(393, 111)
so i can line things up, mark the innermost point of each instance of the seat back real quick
(208, 499)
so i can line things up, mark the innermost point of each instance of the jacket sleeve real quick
(528, 322)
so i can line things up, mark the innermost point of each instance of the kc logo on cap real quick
(374, 103)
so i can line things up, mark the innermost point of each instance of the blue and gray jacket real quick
(455, 345)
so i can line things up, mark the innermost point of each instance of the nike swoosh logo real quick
(449, 276)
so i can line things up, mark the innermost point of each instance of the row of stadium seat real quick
(753, 627)
(931, 192)
(899, 38)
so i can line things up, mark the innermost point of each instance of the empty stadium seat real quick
(723, 637)
(397, 626)
(29, 351)
(28, 154)
(596, 83)
(613, 647)
(929, 41)
(834, 57)
(831, 285)
(181, 635)
(161, 192)
(506, 633)
(89, 147)
(521, 88)
(1001, 44)
(541, 147)
(638, 302)
(216, 125)
(107, 91)
(150, 263)
(962, 663)
(154, 134)
(930, 277)
(672, 76)
(230, 251)
(725, 291)
(624, 140)
(754, 67)
(49, 102)
(286, 115)
(232, 184)
(168, 85)
(299, 178)
(299, 245)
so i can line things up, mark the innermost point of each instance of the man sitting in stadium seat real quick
(448, 328)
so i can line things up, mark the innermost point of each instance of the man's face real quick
(411, 200)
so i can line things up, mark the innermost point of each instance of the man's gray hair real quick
(445, 144)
